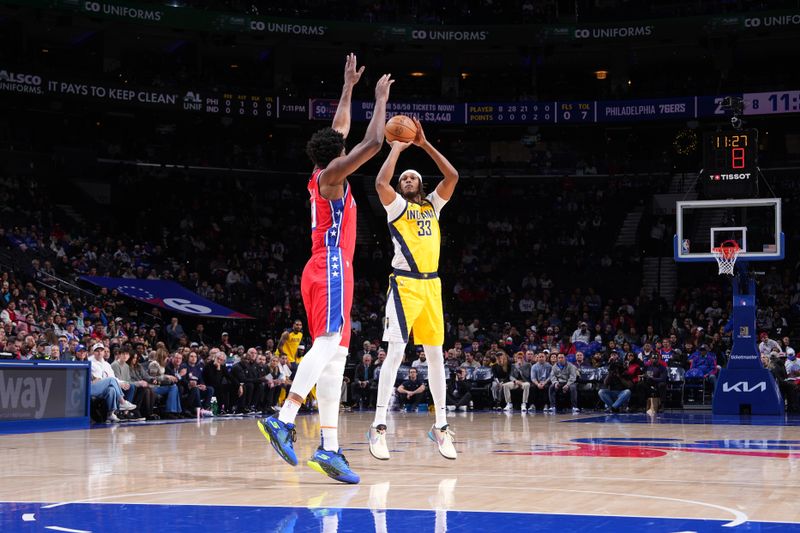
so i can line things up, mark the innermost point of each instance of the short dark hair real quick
(325, 146)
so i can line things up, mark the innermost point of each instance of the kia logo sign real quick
(744, 386)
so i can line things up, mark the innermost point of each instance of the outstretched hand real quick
(351, 73)
(419, 139)
(382, 87)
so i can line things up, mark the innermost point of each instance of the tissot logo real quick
(744, 386)
(730, 177)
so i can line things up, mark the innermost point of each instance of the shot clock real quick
(730, 164)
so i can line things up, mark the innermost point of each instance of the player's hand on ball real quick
(420, 139)
(398, 146)
(382, 87)
(351, 75)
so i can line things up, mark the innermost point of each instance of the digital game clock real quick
(730, 164)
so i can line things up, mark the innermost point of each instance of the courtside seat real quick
(482, 379)
(675, 384)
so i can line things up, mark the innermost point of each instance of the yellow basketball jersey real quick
(416, 238)
(290, 346)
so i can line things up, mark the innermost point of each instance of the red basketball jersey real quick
(333, 222)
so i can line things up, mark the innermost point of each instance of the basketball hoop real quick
(726, 255)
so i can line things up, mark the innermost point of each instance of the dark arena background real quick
(613, 158)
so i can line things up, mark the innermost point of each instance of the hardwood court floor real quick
(678, 465)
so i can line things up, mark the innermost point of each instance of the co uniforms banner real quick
(165, 294)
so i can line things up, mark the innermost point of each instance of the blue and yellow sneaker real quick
(281, 436)
(334, 465)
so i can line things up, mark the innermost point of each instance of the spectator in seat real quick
(421, 363)
(194, 378)
(216, 375)
(703, 364)
(501, 371)
(245, 378)
(616, 390)
(412, 391)
(361, 387)
(767, 345)
(470, 361)
(518, 379)
(190, 398)
(582, 334)
(788, 387)
(562, 381)
(655, 379)
(274, 383)
(105, 385)
(458, 391)
(634, 368)
(540, 381)
(174, 333)
(139, 391)
(168, 392)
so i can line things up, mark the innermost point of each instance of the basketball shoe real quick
(443, 437)
(334, 465)
(281, 436)
(377, 442)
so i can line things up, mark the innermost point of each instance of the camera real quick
(736, 122)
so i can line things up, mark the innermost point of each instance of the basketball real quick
(401, 128)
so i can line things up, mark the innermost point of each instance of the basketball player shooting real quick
(415, 290)
(327, 282)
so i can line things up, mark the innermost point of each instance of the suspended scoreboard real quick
(730, 164)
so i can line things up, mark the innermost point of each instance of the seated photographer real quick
(616, 390)
(458, 391)
(412, 391)
(562, 381)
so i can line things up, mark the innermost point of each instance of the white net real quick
(726, 258)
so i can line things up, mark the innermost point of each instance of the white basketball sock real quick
(394, 356)
(436, 382)
(308, 372)
(329, 391)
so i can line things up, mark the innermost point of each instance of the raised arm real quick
(448, 184)
(334, 174)
(383, 181)
(341, 120)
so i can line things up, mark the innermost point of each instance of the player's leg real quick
(429, 329)
(325, 323)
(328, 458)
(402, 307)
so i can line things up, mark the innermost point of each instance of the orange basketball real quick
(400, 128)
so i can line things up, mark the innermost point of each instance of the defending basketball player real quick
(414, 302)
(327, 283)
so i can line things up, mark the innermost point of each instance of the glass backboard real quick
(755, 225)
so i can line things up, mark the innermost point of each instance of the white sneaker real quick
(576, 410)
(451, 407)
(462, 408)
(509, 407)
(549, 409)
(206, 413)
(125, 405)
(443, 437)
(112, 418)
(524, 407)
(377, 442)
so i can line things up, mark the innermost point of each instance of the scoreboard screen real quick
(511, 113)
(730, 163)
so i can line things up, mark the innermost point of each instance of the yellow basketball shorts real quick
(414, 303)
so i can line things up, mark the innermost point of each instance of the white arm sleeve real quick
(437, 201)
(396, 208)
